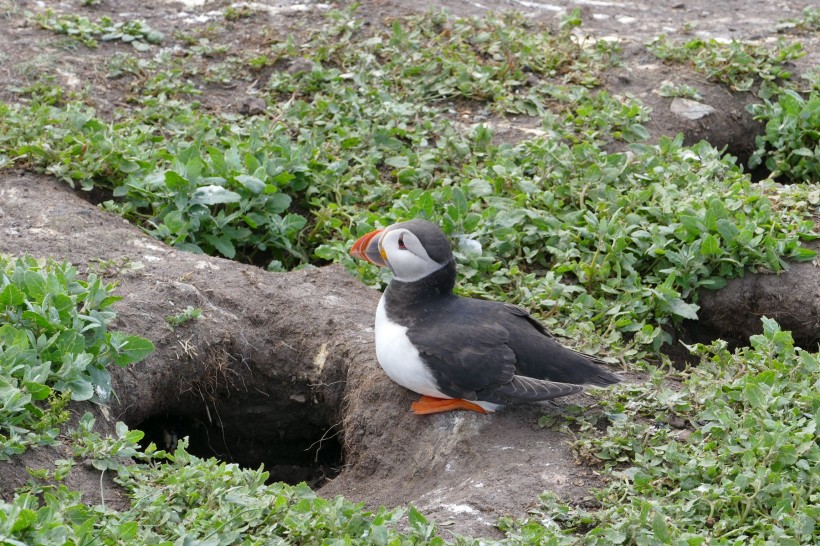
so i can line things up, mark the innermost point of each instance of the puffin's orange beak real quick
(367, 248)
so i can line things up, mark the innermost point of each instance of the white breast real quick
(400, 359)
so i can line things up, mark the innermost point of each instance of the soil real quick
(281, 368)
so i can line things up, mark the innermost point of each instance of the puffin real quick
(457, 352)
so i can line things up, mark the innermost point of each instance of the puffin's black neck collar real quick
(439, 283)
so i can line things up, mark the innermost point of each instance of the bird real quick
(459, 352)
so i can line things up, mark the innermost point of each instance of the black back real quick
(473, 346)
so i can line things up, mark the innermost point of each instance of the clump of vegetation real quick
(506, 61)
(186, 315)
(178, 497)
(618, 245)
(808, 21)
(729, 456)
(740, 65)
(55, 346)
(669, 89)
(137, 33)
(790, 146)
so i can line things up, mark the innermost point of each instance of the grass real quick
(371, 126)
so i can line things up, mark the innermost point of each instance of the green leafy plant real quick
(137, 33)
(106, 452)
(668, 89)
(232, 13)
(186, 315)
(600, 240)
(435, 56)
(54, 346)
(613, 244)
(191, 500)
(790, 146)
(737, 64)
(607, 248)
(726, 456)
(808, 21)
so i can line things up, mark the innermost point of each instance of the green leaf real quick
(292, 223)
(251, 183)
(214, 195)
(134, 436)
(398, 161)
(279, 202)
(176, 182)
(281, 179)
(415, 518)
(80, 389)
(460, 201)
(222, 244)
(660, 528)
(683, 309)
(727, 230)
(35, 283)
(127, 530)
(710, 246)
(38, 391)
(131, 349)
(714, 283)
(754, 395)
(803, 254)
(479, 188)
(175, 221)
(11, 295)
(25, 519)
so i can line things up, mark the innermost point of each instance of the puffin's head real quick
(412, 250)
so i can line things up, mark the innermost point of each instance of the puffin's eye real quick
(401, 242)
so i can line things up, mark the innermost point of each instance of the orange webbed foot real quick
(427, 405)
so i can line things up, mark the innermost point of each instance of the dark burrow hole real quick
(292, 436)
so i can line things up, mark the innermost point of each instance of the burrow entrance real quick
(287, 429)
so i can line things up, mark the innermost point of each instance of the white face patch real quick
(406, 256)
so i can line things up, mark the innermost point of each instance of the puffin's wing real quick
(541, 356)
(465, 358)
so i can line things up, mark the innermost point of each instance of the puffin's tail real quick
(601, 377)
(573, 366)
(526, 389)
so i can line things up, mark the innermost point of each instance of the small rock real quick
(676, 421)
(683, 435)
(299, 65)
(253, 106)
(690, 109)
